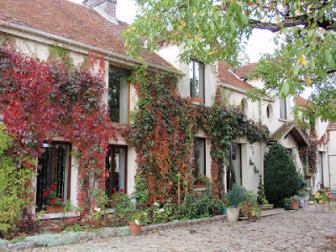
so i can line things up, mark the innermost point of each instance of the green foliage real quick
(261, 193)
(74, 228)
(141, 193)
(161, 214)
(101, 200)
(236, 196)
(281, 178)
(139, 217)
(199, 206)
(14, 187)
(210, 30)
(123, 207)
(58, 53)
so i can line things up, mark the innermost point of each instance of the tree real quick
(212, 30)
(281, 180)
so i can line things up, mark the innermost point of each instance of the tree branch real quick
(292, 22)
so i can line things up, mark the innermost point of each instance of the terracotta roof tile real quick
(224, 74)
(245, 70)
(300, 101)
(71, 21)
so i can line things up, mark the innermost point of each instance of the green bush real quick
(281, 179)
(123, 207)
(14, 187)
(236, 195)
(199, 206)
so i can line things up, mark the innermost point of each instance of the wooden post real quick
(179, 189)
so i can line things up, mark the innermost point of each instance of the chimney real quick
(106, 8)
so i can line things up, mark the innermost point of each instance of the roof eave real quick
(108, 55)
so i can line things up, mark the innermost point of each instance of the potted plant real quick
(235, 197)
(294, 205)
(138, 219)
(322, 197)
(287, 203)
(249, 207)
(54, 203)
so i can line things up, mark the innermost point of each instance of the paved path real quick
(302, 230)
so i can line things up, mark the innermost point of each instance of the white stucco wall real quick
(331, 159)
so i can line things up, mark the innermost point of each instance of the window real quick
(283, 108)
(199, 158)
(118, 95)
(234, 169)
(53, 171)
(269, 111)
(244, 106)
(196, 76)
(116, 163)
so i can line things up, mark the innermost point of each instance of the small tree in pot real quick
(235, 197)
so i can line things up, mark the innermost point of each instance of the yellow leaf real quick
(308, 81)
(278, 19)
(302, 60)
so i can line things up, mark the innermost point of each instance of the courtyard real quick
(302, 230)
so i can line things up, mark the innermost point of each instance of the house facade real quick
(92, 28)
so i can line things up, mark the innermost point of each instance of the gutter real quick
(108, 55)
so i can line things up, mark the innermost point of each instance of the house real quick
(36, 28)
(279, 114)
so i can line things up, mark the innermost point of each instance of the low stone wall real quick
(66, 238)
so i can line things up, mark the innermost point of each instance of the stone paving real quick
(303, 230)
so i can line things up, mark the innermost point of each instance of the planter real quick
(294, 205)
(232, 214)
(55, 209)
(224, 211)
(135, 229)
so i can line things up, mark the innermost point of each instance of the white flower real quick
(97, 209)
(137, 222)
(161, 210)
(156, 204)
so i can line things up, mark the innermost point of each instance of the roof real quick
(290, 128)
(300, 101)
(224, 74)
(72, 21)
(243, 71)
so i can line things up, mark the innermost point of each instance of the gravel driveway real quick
(303, 230)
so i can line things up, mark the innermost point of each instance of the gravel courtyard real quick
(303, 230)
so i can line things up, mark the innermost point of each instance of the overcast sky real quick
(260, 42)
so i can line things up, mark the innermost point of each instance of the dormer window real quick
(196, 77)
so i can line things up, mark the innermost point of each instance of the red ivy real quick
(42, 101)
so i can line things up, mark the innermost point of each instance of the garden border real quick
(67, 238)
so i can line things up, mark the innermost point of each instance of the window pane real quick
(54, 168)
(116, 163)
(199, 158)
(283, 109)
(191, 79)
(114, 95)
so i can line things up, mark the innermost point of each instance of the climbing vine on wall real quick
(163, 133)
(41, 101)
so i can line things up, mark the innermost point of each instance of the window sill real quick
(50, 216)
(283, 120)
(197, 100)
(200, 189)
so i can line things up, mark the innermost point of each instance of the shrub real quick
(281, 179)
(261, 193)
(161, 214)
(123, 207)
(199, 206)
(14, 190)
(236, 195)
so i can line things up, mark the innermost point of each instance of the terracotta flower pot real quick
(135, 229)
(55, 209)
(294, 205)
(232, 214)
